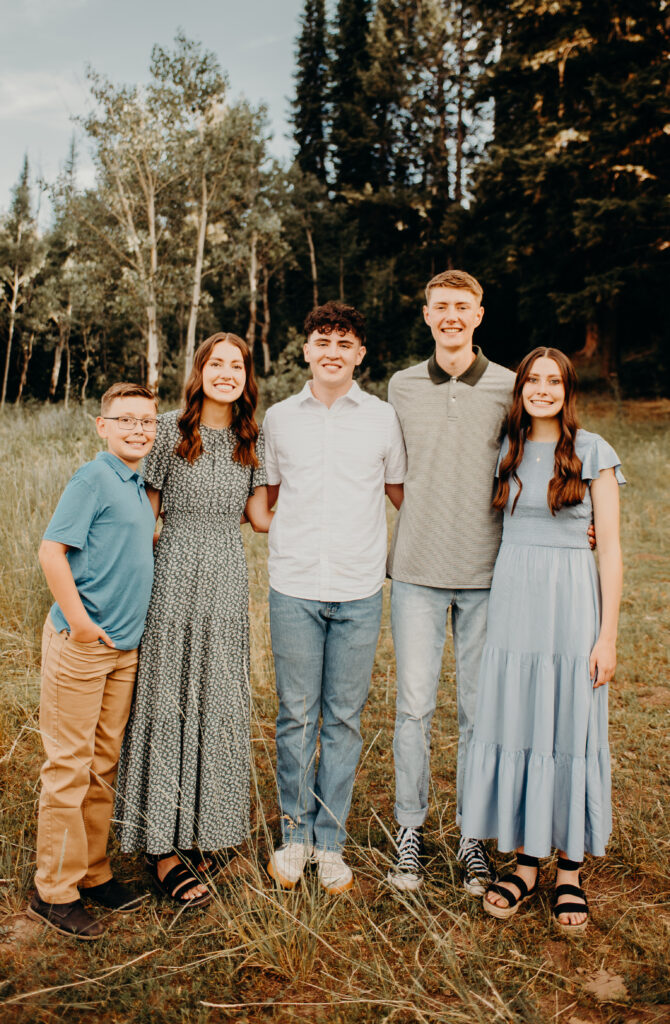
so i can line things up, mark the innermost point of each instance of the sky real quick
(45, 46)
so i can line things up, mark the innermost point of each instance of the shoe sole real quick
(335, 890)
(476, 888)
(281, 881)
(34, 916)
(504, 913)
(404, 883)
(569, 929)
(127, 908)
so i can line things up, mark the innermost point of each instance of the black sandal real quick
(569, 908)
(513, 902)
(196, 858)
(177, 880)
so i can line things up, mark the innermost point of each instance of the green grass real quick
(372, 955)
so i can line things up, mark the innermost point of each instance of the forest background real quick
(526, 142)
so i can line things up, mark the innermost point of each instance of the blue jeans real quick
(323, 652)
(418, 623)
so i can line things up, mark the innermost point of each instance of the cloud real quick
(38, 11)
(259, 44)
(39, 95)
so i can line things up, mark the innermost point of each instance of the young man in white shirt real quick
(332, 452)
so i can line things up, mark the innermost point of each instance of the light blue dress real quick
(538, 766)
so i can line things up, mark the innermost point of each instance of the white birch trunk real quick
(153, 347)
(265, 330)
(253, 292)
(67, 373)
(13, 305)
(197, 281)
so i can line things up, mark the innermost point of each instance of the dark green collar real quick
(471, 376)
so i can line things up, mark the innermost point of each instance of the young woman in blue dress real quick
(538, 771)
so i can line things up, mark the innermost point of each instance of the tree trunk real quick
(197, 282)
(591, 338)
(253, 292)
(601, 343)
(67, 373)
(341, 278)
(153, 349)
(265, 329)
(312, 263)
(55, 369)
(460, 131)
(13, 305)
(26, 355)
(85, 363)
(62, 321)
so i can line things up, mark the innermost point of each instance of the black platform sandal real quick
(569, 908)
(177, 881)
(513, 902)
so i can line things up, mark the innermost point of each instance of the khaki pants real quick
(87, 690)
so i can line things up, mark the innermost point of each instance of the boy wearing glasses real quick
(97, 557)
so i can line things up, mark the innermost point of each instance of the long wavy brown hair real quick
(566, 486)
(244, 408)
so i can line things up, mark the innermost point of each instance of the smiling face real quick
(452, 315)
(543, 392)
(333, 358)
(223, 375)
(128, 444)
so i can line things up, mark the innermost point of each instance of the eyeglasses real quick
(130, 422)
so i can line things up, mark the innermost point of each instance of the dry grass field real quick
(371, 955)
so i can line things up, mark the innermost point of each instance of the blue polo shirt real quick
(105, 517)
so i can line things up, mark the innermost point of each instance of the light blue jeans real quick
(418, 623)
(324, 653)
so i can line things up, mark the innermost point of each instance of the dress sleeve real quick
(600, 455)
(156, 463)
(259, 477)
(502, 453)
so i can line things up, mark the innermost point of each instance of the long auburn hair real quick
(244, 408)
(566, 486)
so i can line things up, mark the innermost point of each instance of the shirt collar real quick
(354, 394)
(471, 376)
(119, 466)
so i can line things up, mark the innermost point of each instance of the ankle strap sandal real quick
(513, 902)
(569, 907)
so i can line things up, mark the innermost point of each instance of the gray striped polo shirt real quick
(446, 533)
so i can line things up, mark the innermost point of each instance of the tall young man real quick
(451, 408)
(332, 451)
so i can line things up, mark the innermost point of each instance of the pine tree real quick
(570, 207)
(309, 105)
(350, 135)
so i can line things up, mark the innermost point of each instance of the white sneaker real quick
(335, 876)
(478, 872)
(406, 873)
(287, 864)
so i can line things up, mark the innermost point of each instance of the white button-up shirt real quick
(328, 537)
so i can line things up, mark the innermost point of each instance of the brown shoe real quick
(113, 896)
(66, 918)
